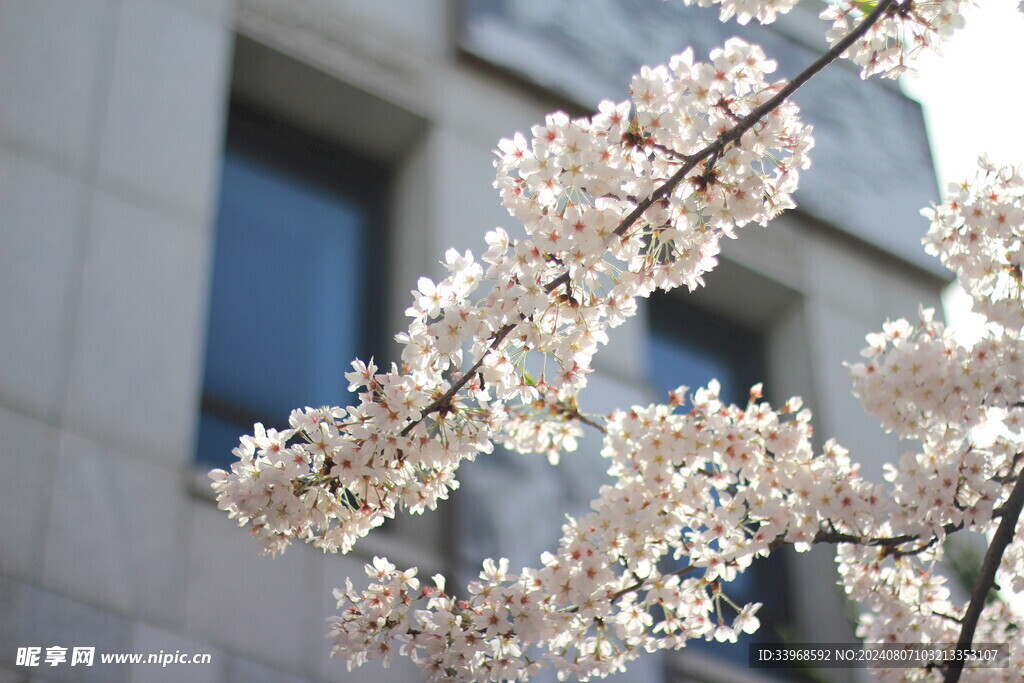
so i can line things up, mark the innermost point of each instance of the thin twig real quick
(444, 399)
(574, 413)
(885, 542)
(681, 572)
(916, 551)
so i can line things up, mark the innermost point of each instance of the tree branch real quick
(987, 575)
(714, 150)
(445, 398)
(573, 413)
(745, 124)
(888, 542)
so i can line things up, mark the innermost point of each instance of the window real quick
(297, 279)
(688, 345)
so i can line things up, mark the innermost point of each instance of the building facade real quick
(186, 186)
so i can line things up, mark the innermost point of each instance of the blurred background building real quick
(208, 207)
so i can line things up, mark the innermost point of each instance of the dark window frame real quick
(323, 164)
(670, 316)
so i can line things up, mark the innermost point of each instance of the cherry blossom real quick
(765, 11)
(906, 28)
(613, 207)
(591, 248)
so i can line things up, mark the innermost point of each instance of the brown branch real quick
(445, 399)
(667, 151)
(948, 617)
(573, 413)
(886, 541)
(681, 572)
(915, 551)
(1010, 476)
(987, 575)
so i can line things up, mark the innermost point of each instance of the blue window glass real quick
(690, 346)
(297, 237)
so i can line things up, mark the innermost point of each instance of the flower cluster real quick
(963, 406)
(765, 11)
(908, 602)
(919, 379)
(959, 404)
(550, 425)
(907, 28)
(713, 488)
(633, 199)
(979, 234)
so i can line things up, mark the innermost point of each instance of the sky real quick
(974, 104)
(973, 93)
